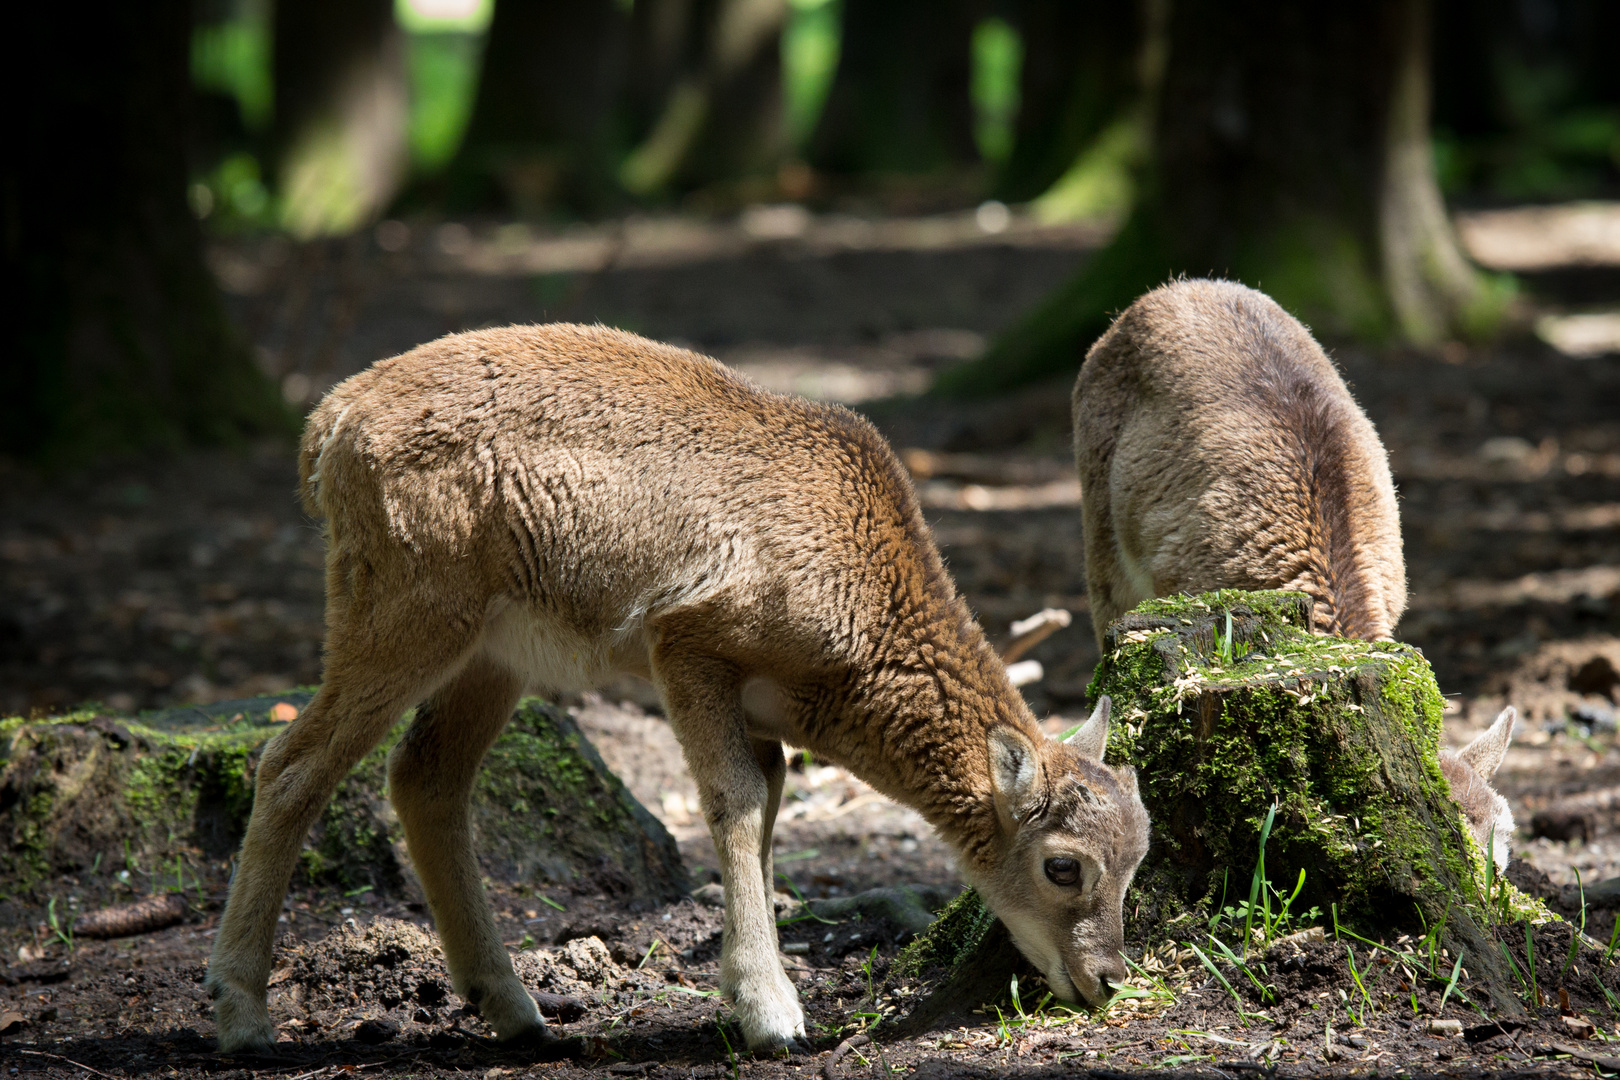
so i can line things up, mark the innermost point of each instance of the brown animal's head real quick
(1073, 832)
(1469, 773)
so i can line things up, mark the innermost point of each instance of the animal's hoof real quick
(767, 1009)
(786, 1048)
(244, 1038)
(241, 1020)
(769, 1035)
(543, 1044)
(536, 1035)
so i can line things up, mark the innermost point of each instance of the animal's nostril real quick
(1108, 986)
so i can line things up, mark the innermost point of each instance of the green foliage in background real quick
(233, 58)
(809, 59)
(443, 68)
(1552, 144)
(998, 57)
(1102, 181)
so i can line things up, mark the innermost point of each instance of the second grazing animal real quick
(552, 506)
(1218, 448)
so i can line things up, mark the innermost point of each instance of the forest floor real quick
(196, 578)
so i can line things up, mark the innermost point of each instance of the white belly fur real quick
(551, 658)
(763, 705)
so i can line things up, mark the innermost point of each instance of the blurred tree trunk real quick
(542, 129)
(721, 118)
(660, 39)
(116, 337)
(341, 106)
(1290, 151)
(899, 101)
(1080, 73)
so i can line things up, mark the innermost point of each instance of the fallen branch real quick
(70, 1061)
(911, 907)
(1030, 632)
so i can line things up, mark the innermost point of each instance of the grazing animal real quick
(1218, 448)
(551, 506)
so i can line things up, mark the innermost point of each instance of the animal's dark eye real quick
(1063, 871)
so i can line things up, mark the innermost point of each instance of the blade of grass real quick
(1233, 959)
(1256, 885)
(1243, 1016)
(1517, 974)
(1456, 970)
(1366, 998)
(804, 907)
(1220, 908)
(1157, 982)
(1575, 939)
(1490, 868)
(1614, 939)
(730, 1053)
(1530, 955)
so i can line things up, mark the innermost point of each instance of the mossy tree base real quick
(161, 802)
(1227, 705)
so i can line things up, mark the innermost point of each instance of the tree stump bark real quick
(131, 806)
(1228, 705)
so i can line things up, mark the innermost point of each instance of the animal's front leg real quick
(735, 791)
(774, 768)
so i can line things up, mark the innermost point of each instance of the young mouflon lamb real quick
(548, 507)
(1218, 448)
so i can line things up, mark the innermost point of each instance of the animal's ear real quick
(1127, 779)
(1092, 737)
(1485, 753)
(1015, 771)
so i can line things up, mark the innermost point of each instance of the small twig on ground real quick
(70, 1061)
(843, 1048)
(313, 1073)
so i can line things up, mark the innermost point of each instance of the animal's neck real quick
(928, 722)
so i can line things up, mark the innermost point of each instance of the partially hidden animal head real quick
(1469, 773)
(1073, 832)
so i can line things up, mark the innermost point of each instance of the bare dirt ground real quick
(148, 583)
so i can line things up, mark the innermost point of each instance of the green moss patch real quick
(107, 806)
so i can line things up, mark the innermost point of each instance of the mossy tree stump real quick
(95, 806)
(1227, 705)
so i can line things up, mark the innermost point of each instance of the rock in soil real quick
(175, 789)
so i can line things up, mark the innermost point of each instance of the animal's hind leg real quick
(430, 779)
(368, 685)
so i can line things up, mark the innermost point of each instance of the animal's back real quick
(1219, 448)
(600, 477)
